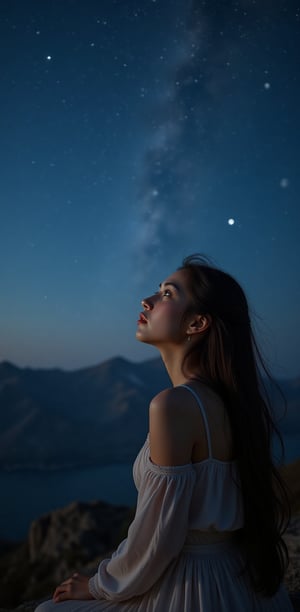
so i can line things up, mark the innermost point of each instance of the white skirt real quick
(203, 578)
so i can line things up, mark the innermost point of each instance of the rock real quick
(81, 530)
(292, 539)
(70, 539)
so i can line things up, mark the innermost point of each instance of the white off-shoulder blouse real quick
(172, 501)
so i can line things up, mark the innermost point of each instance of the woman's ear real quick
(199, 324)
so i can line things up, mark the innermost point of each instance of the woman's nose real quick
(147, 304)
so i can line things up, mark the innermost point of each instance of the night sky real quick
(134, 133)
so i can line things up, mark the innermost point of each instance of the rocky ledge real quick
(70, 539)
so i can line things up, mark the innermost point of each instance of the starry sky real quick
(134, 133)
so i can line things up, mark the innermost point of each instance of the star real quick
(284, 183)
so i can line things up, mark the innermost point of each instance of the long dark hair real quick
(228, 359)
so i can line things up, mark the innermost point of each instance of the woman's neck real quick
(173, 361)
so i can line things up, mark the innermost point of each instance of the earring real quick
(189, 338)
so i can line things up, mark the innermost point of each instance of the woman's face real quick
(160, 321)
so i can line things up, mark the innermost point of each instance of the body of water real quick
(26, 495)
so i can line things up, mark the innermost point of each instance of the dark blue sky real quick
(131, 132)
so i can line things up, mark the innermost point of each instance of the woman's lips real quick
(142, 319)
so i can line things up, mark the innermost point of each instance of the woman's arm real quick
(158, 531)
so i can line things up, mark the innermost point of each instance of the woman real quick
(207, 535)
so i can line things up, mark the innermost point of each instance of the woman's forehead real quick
(179, 279)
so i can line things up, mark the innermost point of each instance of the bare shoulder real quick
(166, 400)
(171, 428)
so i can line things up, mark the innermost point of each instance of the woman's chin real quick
(141, 337)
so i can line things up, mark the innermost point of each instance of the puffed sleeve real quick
(155, 537)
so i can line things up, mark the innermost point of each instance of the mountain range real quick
(52, 419)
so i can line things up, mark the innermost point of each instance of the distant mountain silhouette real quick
(55, 419)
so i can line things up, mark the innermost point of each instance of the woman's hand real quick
(75, 587)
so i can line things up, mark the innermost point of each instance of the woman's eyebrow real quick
(170, 284)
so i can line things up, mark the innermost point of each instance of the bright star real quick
(284, 183)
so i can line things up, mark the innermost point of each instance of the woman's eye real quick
(164, 293)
